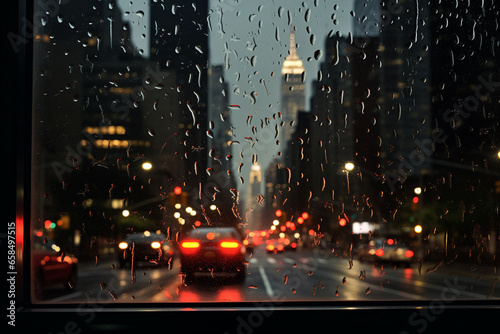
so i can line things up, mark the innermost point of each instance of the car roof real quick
(219, 232)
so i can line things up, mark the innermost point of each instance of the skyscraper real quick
(292, 89)
(179, 42)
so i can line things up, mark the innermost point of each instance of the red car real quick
(51, 266)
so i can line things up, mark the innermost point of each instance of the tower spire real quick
(293, 50)
(292, 63)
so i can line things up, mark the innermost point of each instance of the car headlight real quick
(155, 245)
(123, 245)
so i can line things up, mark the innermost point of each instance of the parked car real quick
(52, 266)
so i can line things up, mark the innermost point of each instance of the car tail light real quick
(280, 247)
(190, 244)
(155, 245)
(270, 247)
(229, 244)
(409, 253)
(123, 245)
(379, 252)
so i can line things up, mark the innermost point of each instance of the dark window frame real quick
(400, 316)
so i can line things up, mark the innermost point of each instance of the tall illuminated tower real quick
(292, 89)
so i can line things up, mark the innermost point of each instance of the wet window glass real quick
(229, 150)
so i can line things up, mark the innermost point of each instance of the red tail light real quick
(379, 252)
(409, 253)
(229, 244)
(190, 244)
(270, 247)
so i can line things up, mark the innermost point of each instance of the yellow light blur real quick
(147, 233)
(418, 229)
(273, 227)
(276, 222)
(178, 206)
(125, 213)
(123, 245)
(147, 165)
(349, 166)
(177, 215)
(417, 190)
(155, 245)
(213, 207)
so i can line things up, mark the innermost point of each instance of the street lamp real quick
(349, 166)
(147, 165)
(417, 190)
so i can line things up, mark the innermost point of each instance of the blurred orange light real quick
(390, 242)
(279, 213)
(190, 244)
(280, 247)
(177, 190)
(300, 220)
(311, 232)
(229, 244)
(270, 247)
(379, 252)
(283, 228)
(409, 253)
(47, 224)
(305, 215)
(342, 222)
(197, 223)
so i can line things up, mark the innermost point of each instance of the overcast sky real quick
(251, 38)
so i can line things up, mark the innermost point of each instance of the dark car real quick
(381, 250)
(212, 251)
(52, 266)
(145, 247)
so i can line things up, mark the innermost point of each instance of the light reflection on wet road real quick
(302, 275)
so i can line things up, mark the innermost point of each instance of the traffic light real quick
(177, 197)
(414, 203)
(177, 191)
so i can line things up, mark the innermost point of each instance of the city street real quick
(303, 275)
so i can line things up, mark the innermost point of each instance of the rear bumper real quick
(216, 264)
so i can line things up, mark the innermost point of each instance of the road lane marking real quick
(267, 284)
(271, 260)
(253, 260)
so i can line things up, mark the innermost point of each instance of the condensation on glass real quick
(189, 151)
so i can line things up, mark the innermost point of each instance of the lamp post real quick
(349, 166)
